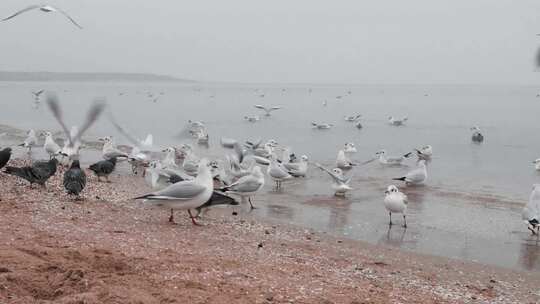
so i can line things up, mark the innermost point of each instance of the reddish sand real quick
(109, 249)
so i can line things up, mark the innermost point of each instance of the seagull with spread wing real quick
(267, 110)
(71, 150)
(340, 183)
(44, 8)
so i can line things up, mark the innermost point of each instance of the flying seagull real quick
(44, 8)
(267, 110)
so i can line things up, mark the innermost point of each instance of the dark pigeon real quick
(5, 155)
(104, 168)
(74, 179)
(38, 173)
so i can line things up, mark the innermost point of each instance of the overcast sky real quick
(334, 41)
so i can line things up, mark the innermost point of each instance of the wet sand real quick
(109, 249)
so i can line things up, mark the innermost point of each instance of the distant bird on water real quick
(477, 137)
(74, 179)
(44, 8)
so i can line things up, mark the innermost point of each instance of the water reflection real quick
(530, 253)
(280, 212)
(393, 237)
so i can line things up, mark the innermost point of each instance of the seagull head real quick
(382, 152)
(337, 171)
(46, 134)
(391, 189)
(304, 158)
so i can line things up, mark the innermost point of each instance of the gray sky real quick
(378, 41)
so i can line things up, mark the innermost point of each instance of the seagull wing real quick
(134, 141)
(180, 191)
(54, 106)
(416, 175)
(95, 110)
(24, 10)
(274, 108)
(332, 175)
(67, 16)
(261, 107)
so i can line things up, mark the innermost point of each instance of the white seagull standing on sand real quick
(530, 213)
(395, 202)
(30, 141)
(340, 183)
(267, 110)
(50, 146)
(109, 148)
(247, 186)
(185, 195)
(416, 176)
(44, 8)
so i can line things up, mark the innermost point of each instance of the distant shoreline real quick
(7, 76)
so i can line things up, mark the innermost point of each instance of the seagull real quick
(391, 161)
(342, 161)
(74, 179)
(425, 152)
(415, 176)
(44, 8)
(397, 122)
(321, 126)
(144, 145)
(71, 150)
(5, 155)
(30, 141)
(254, 118)
(39, 172)
(536, 163)
(109, 149)
(185, 195)
(298, 169)
(247, 186)
(104, 168)
(340, 183)
(50, 146)
(352, 118)
(37, 94)
(349, 147)
(267, 110)
(530, 213)
(477, 137)
(277, 172)
(395, 202)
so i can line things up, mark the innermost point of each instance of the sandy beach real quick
(110, 249)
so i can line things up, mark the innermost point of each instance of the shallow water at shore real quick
(469, 208)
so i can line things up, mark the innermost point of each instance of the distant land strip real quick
(88, 77)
